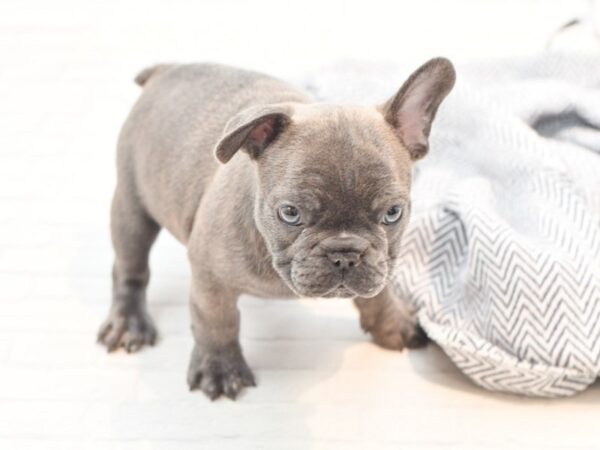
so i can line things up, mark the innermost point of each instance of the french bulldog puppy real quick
(273, 195)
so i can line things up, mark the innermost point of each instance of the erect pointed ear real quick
(412, 110)
(253, 130)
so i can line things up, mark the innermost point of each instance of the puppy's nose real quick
(345, 250)
(344, 260)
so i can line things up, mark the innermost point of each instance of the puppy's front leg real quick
(217, 365)
(390, 320)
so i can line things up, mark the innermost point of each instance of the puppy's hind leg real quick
(133, 232)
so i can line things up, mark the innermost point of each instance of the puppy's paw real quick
(130, 330)
(219, 372)
(393, 326)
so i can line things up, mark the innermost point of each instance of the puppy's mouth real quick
(338, 289)
(317, 277)
(342, 291)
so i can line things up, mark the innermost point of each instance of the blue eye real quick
(392, 215)
(289, 214)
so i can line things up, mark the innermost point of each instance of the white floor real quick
(65, 87)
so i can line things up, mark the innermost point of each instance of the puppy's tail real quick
(142, 78)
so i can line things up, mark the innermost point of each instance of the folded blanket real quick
(502, 257)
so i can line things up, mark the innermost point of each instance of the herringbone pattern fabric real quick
(502, 256)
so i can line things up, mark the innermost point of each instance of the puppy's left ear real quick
(412, 110)
(253, 130)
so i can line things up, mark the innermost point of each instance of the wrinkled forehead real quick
(340, 153)
(341, 128)
(369, 186)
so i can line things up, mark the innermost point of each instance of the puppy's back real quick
(165, 151)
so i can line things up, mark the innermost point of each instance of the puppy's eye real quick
(392, 215)
(289, 214)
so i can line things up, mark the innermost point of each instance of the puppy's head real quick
(334, 182)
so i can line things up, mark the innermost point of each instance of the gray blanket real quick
(502, 257)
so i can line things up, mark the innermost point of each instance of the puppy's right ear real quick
(253, 130)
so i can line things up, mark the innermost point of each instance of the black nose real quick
(345, 250)
(344, 260)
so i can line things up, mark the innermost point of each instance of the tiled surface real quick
(65, 87)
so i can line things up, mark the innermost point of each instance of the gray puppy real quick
(314, 205)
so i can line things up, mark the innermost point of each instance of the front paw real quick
(219, 371)
(130, 329)
(392, 326)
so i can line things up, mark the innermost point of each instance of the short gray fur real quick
(341, 167)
